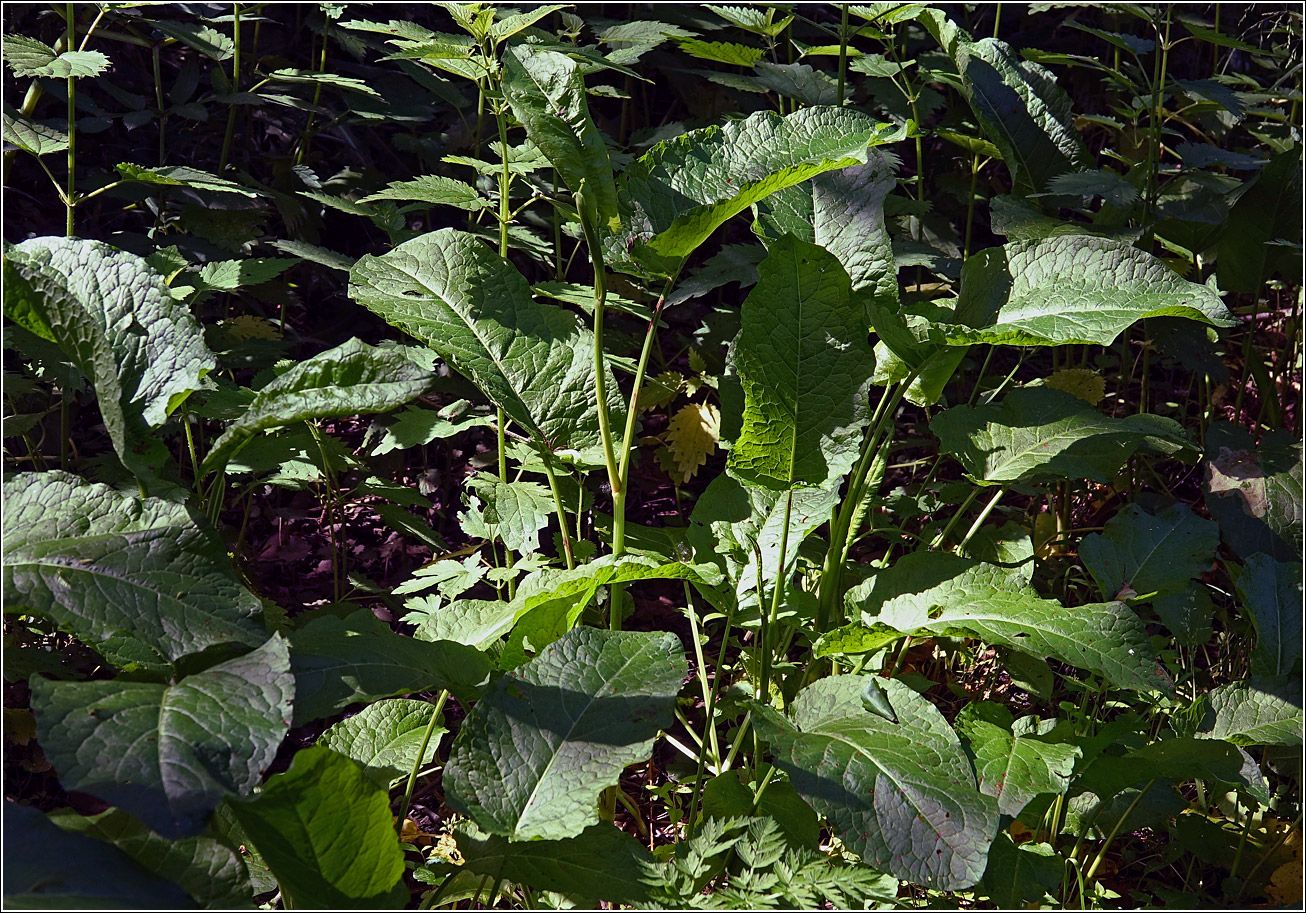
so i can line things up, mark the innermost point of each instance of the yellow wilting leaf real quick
(1087, 385)
(693, 436)
(1285, 884)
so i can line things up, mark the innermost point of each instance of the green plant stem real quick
(337, 553)
(983, 515)
(777, 592)
(70, 196)
(1115, 829)
(307, 134)
(952, 521)
(190, 445)
(709, 713)
(696, 634)
(843, 49)
(417, 762)
(235, 87)
(831, 572)
(158, 98)
(558, 508)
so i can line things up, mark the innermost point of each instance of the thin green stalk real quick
(558, 509)
(983, 515)
(709, 712)
(1101, 855)
(777, 592)
(190, 445)
(417, 762)
(158, 98)
(307, 134)
(702, 665)
(970, 203)
(235, 87)
(952, 521)
(843, 49)
(70, 197)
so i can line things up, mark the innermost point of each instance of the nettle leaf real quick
(115, 319)
(181, 176)
(209, 870)
(169, 753)
(797, 80)
(227, 275)
(350, 379)
(1012, 763)
(1260, 711)
(325, 831)
(599, 863)
(139, 580)
(514, 511)
(48, 868)
(549, 603)
(1073, 289)
(474, 622)
(29, 57)
(33, 137)
(338, 661)
(1272, 590)
(1150, 554)
(535, 361)
(805, 365)
(683, 189)
(738, 55)
(385, 738)
(435, 190)
(1038, 433)
(1022, 110)
(1254, 490)
(536, 752)
(547, 93)
(900, 795)
(948, 595)
(208, 41)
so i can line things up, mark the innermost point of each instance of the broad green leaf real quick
(900, 795)
(33, 137)
(139, 580)
(433, 189)
(316, 78)
(226, 275)
(1149, 554)
(182, 176)
(511, 25)
(549, 603)
(1261, 711)
(1038, 434)
(208, 870)
(48, 868)
(1022, 109)
(685, 188)
(514, 511)
(474, 622)
(728, 796)
(350, 379)
(729, 518)
(208, 41)
(805, 365)
(1073, 289)
(449, 290)
(338, 661)
(1254, 490)
(799, 81)
(547, 94)
(843, 211)
(385, 738)
(854, 639)
(1272, 590)
(29, 57)
(599, 863)
(539, 748)
(1265, 211)
(738, 55)
(169, 753)
(326, 833)
(115, 319)
(1012, 763)
(1188, 614)
(1111, 187)
(1018, 875)
(947, 595)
